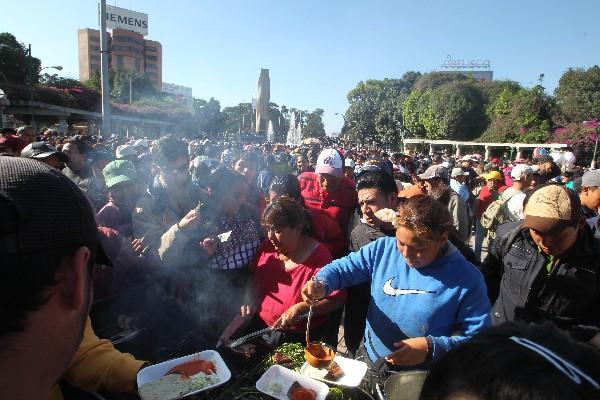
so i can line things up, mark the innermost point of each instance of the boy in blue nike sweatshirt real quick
(441, 299)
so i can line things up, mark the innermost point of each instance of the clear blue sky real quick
(318, 50)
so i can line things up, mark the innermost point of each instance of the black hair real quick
(286, 212)
(379, 180)
(286, 185)
(492, 366)
(168, 149)
(222, 179)
(81, 145)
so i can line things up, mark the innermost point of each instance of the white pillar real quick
(519, 153)
(430, 149)
(487, 153)
(458, 150)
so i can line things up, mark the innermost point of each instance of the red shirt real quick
(327, 231)
(486, 197)
(277, 289)
(339, 204)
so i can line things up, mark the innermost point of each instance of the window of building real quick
(138, 64)
(151, 58)
(151, 48)
(95, 48)
(95, 57)
(150, 66)
(120, 62)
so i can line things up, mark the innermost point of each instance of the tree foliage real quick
(14, 62)
(578, 94)
(314, 124)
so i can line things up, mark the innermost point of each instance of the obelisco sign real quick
(262, 101)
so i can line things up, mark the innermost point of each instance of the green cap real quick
(118, 171)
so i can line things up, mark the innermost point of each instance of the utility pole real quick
(104, 71)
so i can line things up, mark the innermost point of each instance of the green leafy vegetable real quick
(335, 393)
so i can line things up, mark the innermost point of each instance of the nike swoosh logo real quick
(390, 291)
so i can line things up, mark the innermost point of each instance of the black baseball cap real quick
(44, 210)
(42, 150)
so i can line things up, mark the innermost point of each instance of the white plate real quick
(354, 371)
(285, 378)
(157, 371)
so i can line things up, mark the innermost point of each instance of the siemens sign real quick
(120, 18)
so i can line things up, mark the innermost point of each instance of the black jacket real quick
(518, 282)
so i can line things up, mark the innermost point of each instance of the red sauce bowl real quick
(319, 355)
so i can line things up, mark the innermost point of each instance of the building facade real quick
(128, 51)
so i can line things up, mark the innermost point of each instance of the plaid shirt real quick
(246, 236)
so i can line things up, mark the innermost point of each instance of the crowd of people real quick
(427, 261)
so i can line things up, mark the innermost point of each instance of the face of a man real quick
(248, 169)
(231, 201)
(76, 159)
(301, 163)
(493, 184)
(433, 184)
(328, 182)
(418, 251)
(556, 243)
(124, 195)
(591, 197)
(372, 200)
(175, 173)
(28, 135)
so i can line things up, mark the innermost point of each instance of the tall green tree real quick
(314, 124)
(578, 94)
(208, 118)
(141, 86)
(16, 65)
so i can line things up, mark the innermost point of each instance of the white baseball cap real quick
(329, 162)
(126, 150)
(519, 170)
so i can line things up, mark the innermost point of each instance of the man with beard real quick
(122, 195)
(79, 170)
(48, 251)
(437, 184)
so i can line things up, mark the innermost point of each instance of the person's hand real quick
(246, 311)
(412, 351)
(189, 221)
(138, 247)
(313, 290)
(209, 245)
(287, 319)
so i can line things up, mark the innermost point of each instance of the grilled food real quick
(299, 392)
(335, 372)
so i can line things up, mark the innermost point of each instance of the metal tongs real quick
(310, 314)
(243, 339)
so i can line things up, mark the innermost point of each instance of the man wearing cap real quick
(126, 152)
(79, 170)
(457, 183)
(548, 169)
(466, 163)
(548, 268)
(48, 251)
(328, 190)
(45, 153)
(437, 184)
(122, 196)
(590, 193)
(26, 134)
(488, 194)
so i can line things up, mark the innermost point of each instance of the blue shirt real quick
(435, 301)
(461, 189)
